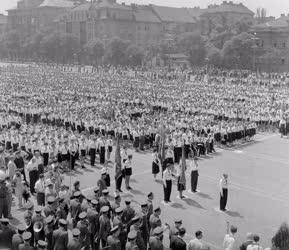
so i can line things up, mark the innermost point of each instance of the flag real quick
(162, 145)
(117, 159)
(183, 167)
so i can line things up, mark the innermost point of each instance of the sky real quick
(273, 7)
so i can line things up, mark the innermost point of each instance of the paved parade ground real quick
(258, 190)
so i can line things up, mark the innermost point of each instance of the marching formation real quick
(53, 122)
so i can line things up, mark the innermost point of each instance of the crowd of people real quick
(53, 121)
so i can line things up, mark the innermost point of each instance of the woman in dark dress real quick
(155, 164)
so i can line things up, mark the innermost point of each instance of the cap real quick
(82, 215)
(77, 194)
(21, 228)
(116, 196)
(104, 209)
(94, 202)
(103, 171)
(50, 199)
(157, 231)
(105, 191)
(182, 231)
(75, 232)
(41, 244)
(49, 219)
(4, 220)
(38, 209)
(157, 209)
(144, 204)
(76, 183)
(119, 210)
(49, 182)
(114, 229)
(26, 236)
(178, 221)
(96, 189)
(135, 219)
(132, 235)
(29, 205)
(62, 222)
(27, 215)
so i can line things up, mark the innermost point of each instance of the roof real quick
(170, 14)
(196, 12)
(57, 3)
(145, 15)
(83, 7)
(281, 22)
(229, 7)
(111, 4)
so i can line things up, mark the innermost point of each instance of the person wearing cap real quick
(20, 164)
(50, 190)
(74, 242)
(101, 183)
(128, 213)
(167, 183)
(174, 230)
(62, 209)
(26, 245)
(82, 225)
(93, 221)
(92, 146)
(249, 241)
(155, 220)
(29, 225)
(156, 239)
(144, 227)
(41, 244)
(49, 208)
(75, 208)
(6, 234)
(113, 241)
(223, 185)
(104, 226)
(229, 242)
(48, 231)
(96, 193)
(103, 200)
(255, 245)
(60, 236)
(17, 238)
(177, 241)
(32, 168)
(40, 190)
(118, 221)
(115, 204)
(135, 226)
(131, 241)
(150, 208)
(4, 198)
(196, 244)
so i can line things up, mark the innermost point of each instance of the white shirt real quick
(229, 242)
(40, 186)
(195, 244)
(254, 246)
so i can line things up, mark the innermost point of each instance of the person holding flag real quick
(118, 169)
(181, 174)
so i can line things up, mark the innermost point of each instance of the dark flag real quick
(183, 167)
(117, 159)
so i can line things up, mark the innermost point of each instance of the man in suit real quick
(104, 226)
(155, 220)
(17, 238)
(177, 241)
(75, 208)
(74, 242)
(26, 244)
(60, 236)
(156, 240)
(6, 234)
(113, 240)
(93, 220)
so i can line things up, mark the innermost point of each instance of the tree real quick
(214, 56)
(261, 15)
(134, 55)
(95, 51)
(239, 51)
(281, 239)
(115, 51)
(11, 44)
(193, 45)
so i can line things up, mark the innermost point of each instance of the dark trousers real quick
(4, 207)
(45, 159)
(33, 177)
(40, 197)
(102, 155)
(92, 156)
(118, 183)
(72, 160)
(194, 180)
(168, 190)
(223, 199)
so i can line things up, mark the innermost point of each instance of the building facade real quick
(273, 38)
(3, 24)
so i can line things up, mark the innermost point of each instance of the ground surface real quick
(258, 193)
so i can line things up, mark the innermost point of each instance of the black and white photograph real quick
(144, 125)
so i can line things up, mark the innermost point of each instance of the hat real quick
(50, 199)
(76, 183)
(77, 194)
(62, 222)
(104, 209)
(27, 215)
(26, 236)
(41, 244)
(94, 202)
(178, 221)
(116, 196)
(135, 219)
(4, 221)
(132, 235)
(105, 191)
(114, 229)
(41, 176)
(38, 209)
(157, 231)
(118, 210)
(49, 219)
(21, 228)
(150, 194)
(49, 182)
(82, 215)
(75, 232)
(103, 171)
(144, 204)
(127, 201)
(157, 209)
(96, 189)
(182, 231)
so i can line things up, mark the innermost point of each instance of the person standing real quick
(128, 171)
(229, 239)
(155, 164)
(167, 183)
(113, 241)
(196, 244)
(131, 241)
(17, 238)
(19, 162)
(223, 185)
(255, 244)
(104, 226)
(177, 241)
(156, 240)
(60, 236)
(4, 210)
(74, 242)
(40, 191)
(32, 168)
(26, 245)
(193, 164)
(6, 234)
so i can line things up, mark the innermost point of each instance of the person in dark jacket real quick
(248, 241)
(177, 241)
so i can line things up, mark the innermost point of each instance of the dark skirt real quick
(82, 152)
(181, 187)
(155, 168)
(110, 149)
(136, 142)
(128, 171)
(102, 155)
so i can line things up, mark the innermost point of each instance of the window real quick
(284, 45)
(275, 45)
(283, 61)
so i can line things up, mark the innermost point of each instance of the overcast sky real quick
(274, 7)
